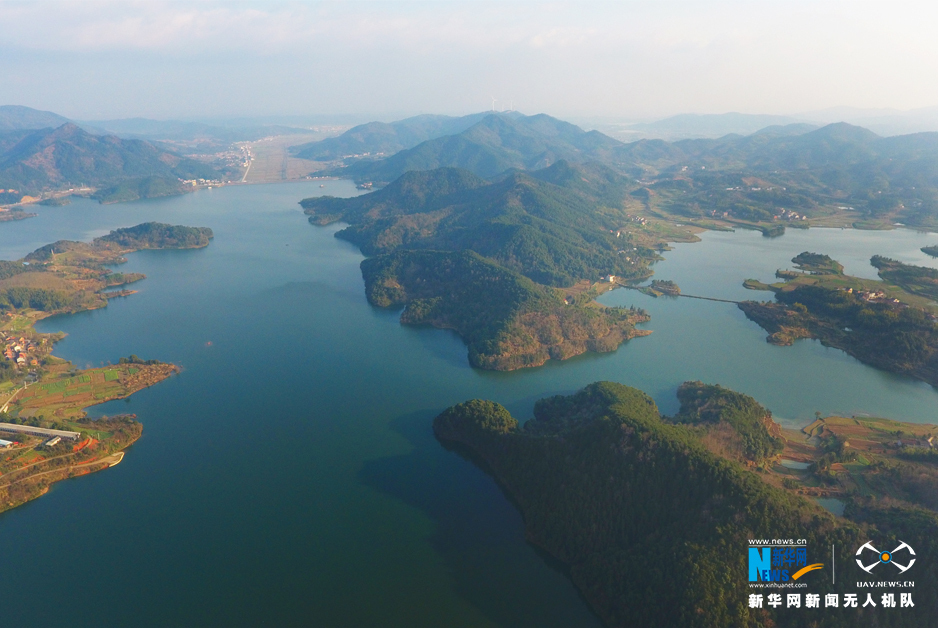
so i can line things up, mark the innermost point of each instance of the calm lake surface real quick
(289, 476)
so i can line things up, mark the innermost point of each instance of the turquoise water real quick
(832, 505)
(288, 476)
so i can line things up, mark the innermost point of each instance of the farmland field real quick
(68, 396)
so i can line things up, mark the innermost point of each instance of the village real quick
(21, 350)
(783, 214)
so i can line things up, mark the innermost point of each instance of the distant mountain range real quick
(756, 176)
(493, 144)
(17, 118)
(50, 159)
(381, 139)
(688, 126)
(153, 130)
(884, 122)
(496, 143)
(796, 167)
(835, 163)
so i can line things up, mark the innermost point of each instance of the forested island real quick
(512, 265)
(652, 515)
(891, 324)
(40, 392)
(661, 287)
(507, 320)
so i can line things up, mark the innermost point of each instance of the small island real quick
(631, 501)
(817, 264)
(661, 287)
(45, 434)
(930, 250)
(891, 324)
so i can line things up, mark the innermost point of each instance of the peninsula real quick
(45, 434)
(891, 324)
(513, 266)
(633, 502)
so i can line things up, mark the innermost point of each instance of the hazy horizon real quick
(384, 60)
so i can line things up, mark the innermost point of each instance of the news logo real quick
(779, 561)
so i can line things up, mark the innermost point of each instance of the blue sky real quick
(96, 60)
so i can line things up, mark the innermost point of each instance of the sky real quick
(631, 60)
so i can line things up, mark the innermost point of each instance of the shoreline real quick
(54, 393)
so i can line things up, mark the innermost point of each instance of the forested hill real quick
(730, 424)
(891, 179)
(655, 528)
(506, 320)
(157, 235)
(67, 156)
(463, 253)
(147, 235)
(555, 226)
(494, 144)
(382, 139)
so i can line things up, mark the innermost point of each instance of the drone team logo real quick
(884, 558)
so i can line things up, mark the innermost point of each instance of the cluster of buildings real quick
(878, 296)
(930, 442)
(363, 155)
(22, 351)
(42, 432)
(641, 220)
(873, 296)
(787, 214)
(198, 182)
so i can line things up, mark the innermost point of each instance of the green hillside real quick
(735, 424)
(55, 159)
(884, 180)
(654, 528)
(790, 175)
(494, 144)
(555, 226)
(506, 320)
(156, 235)
(377, 139)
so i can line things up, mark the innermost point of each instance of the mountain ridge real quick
(51, 159)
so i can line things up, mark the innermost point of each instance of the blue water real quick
(288, 476)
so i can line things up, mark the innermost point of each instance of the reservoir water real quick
(288, 476)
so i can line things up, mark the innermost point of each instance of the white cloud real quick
(588, 58)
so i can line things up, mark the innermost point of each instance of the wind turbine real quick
(493, 103)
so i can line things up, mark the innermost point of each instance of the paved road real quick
(244, 179)
(112, 460)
